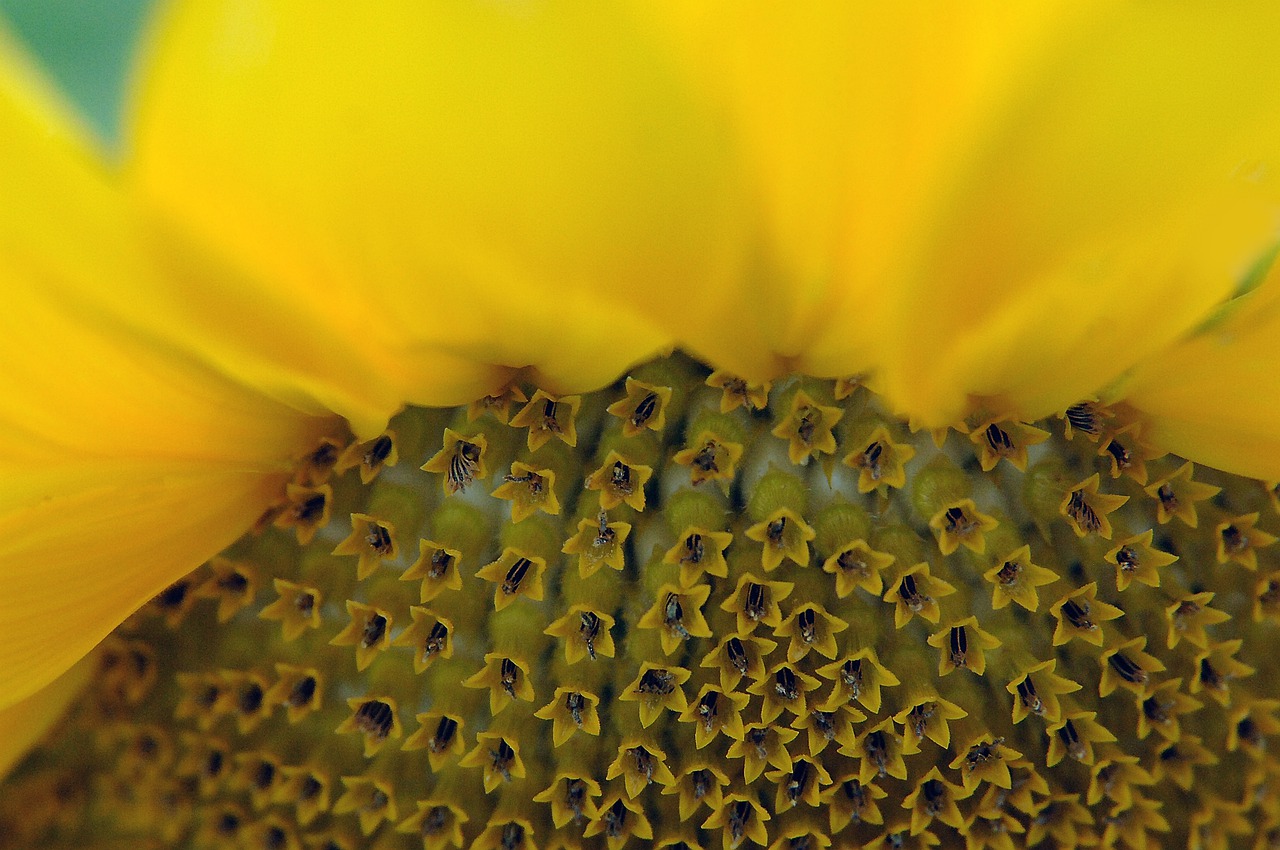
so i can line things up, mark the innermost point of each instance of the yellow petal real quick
(1215, 396)
(1112, 194)
(24, 723)
(438, 185)
(123, 463)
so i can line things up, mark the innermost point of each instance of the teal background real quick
(87, 47)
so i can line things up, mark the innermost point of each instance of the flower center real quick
(690, 610)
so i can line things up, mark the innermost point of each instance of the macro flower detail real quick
(819, 427)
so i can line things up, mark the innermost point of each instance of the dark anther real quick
(896, 840)
(1009, 572)
(737, 655)
(982, 752)
(800, 843)
(757, 737)
(620, 479)
(309, 509)
(250, 698)
(378, 539)
(851, 563)
(1210, 677)
(378, 452)
(264, 775)
(1247, 730)
(435, 821)
(739, 817)
(998, 439)
(702, 781)
(644, 763)
(549, 421)
(515, 575)
(853, 792)
(1080, 511)
(324, 456)
(445, 731)
(234, 583)
(302, 692)
(1127, 559)
(934, 794)
(589, 629)
(807, 427)
(958, 522)
(502, 758)
(208, 697)
(1083, 418)
(228, 823)
(1156, 711)
(214, 763)
(508, 674)
(877, 750)
(797, 781)
(959, 643)
(604, 534)
(659, 682)
(911, 594)
(707, 709)
(575, 797)
(1167, 497)
(1128, 670)
(615, 819)
(575, 703)
(920, 716)
(1233, 541)
(806, 620)
(757, 604)
(310, 788)
(823, 721)
(304, 603)
(705, 459)
(870, 459)
(775, 530)
(174, 595)
(1077, 613)
(374, 629)
(512, 836)
(693, 550)
(1030, 699)
(851, 675)
(785, 685)
(644, 410)
(375, 718)
(1071, 739)
(673, 617)
(437, 641)
(1120, 454)
(440, 561)
(463, 466)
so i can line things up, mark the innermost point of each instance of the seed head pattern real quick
(688, 611)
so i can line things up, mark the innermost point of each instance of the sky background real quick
(87, 46)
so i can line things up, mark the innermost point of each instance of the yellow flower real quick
(986, 216)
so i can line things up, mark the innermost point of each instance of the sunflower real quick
(694, 424)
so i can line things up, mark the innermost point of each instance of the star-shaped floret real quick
(1176, 495)
(585, 632)
(297, 608)
(620, 481)
(1137, 560)
(963, 645)
(860, 676)
(677, 615)
(929, 718)
(498, 757)
(1189, 616)
(784, 535)
(369, 632)
(440, 734)
(880, 461)
(807, 428)
(915, 593)
(571, 710)
(516, 573)
(1036, 689)
(1239, 540)
(437, 566)
(1126, 665)
(598, 544)
(373, 801)
(372, 541)
(1005, 439)
(643, 408)
(1016, 579)
(571, 796)
(755, 601)
(640, 764)
(497, 405)
(737, 391)
(710, 456)
(699, 550)
(461, 461)
(961, 523)
(935, 797)
(1080, 614)
(856, 565)
(430, 636)
(810, 627)
(505, 677)
(548, 416)
(656, 688)
(1073, 735)
(529, 488)
(371, 456)
(374, 717)
(1087, 510)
